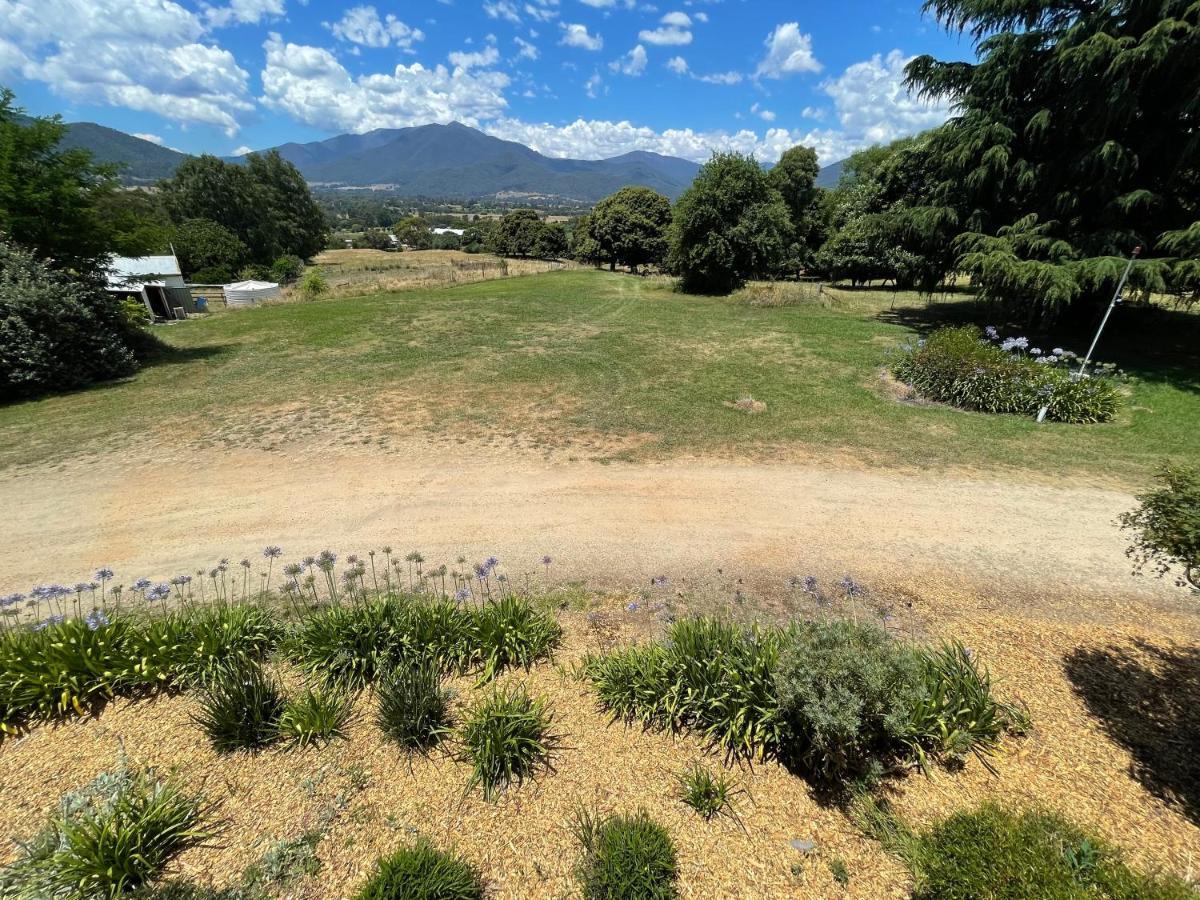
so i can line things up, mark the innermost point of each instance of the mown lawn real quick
(583, 353)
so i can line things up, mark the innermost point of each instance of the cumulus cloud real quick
(674, 30)
(242, 12)
(632, 63)
(575, 35)
(310, 85)
(362, 25)
(526, 49)
(152, 138)
(788, 52)
(141, 56)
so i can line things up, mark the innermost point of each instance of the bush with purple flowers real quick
(960, 367)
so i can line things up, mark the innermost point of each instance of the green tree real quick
(202, 245)
(584, 247)
(630, 228)
(729, 226)
(794, 176)
(138, 223)
(299, 222)
(413, 233)
(49, 196)
(522, 233)
(1076, 137)
(58, 332)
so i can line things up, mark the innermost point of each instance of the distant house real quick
(455, 231)
(155, 280)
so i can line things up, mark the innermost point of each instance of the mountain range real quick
(450, 161)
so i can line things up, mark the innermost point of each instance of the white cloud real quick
(632, 63)
(152, 138)
(873, 105)
(674, 30)
(310, 85)
(479, 59)
(575, 35)
(788, 53)
(143, 56)
(593, 85)
(242, 150)
(765, 114)
(502, 9)
(527, 50)
(678, 65)
(242, 12)
(362, 25)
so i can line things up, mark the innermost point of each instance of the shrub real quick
(286, 269)
(506, 738)
(318, 714)
(422, 872)
(709, 795)
(113, 836)
(65, 668)
(240, 708)
(511, 632)
(845, 691)
(350, 646)
(992, 852)
(1166, 525)
(57, 333)
(313, 285)
(956, 366)
(626, 857)
(709, 675)
(956, 712)
(414, 709)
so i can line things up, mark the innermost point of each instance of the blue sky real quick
(584, 78)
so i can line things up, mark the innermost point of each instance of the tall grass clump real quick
(318, 714)
(708, 794)
(188, 647)
(625, 857)
(994, 852)
(240, 708)
(109, 838)
(511, 632)
(960, 367)
(422, 872)
(414, 708)
(507, 738)
(709, 675)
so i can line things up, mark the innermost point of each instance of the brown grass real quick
(1090, 766)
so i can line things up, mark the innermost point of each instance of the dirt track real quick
(609, 523)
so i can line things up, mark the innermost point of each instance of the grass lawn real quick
(623, 362)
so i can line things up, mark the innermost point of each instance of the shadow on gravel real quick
(1147, 699)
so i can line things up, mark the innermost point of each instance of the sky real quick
(580, 78)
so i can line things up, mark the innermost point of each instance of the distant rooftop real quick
(127, 266)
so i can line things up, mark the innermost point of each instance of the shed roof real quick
(128, 266)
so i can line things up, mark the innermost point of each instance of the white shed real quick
(155, 280)
(250, 293)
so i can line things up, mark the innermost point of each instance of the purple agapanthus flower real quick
(47, 622)
(810, 583)
(104, 574)
(96, 619)
(851, 587)
(491, 562)
(272, 552)
(142, 584)
(546, 560)
(462, 594)
(633, 607)
(991, 332)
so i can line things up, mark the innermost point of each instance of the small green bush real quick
(506, 738)
(109, 838)
(187, 648)
(709, 675)
(709, 795)
(626, 857)
(956, 366)
(414, 708)
(287, 269)
(318, 714)
(957, 712)
(313, 285)
(845, 691)
(1166, 526)
(511, 632)
(991, 853)
(422, 872)
(240, 708)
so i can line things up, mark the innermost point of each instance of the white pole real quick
(1115, 300)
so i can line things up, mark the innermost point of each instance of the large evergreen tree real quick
(794, 176)
(630, 227)
(1076, 137)
(729, 226)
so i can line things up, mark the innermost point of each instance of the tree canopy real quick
(523, 233)
(629, 228)
(729, 226)
(1076, 137)
(265, 203)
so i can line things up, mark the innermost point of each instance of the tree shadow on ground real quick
(1147, 699)
(1152, 343)
(167, 355)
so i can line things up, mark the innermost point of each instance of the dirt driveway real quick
(617, 523)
